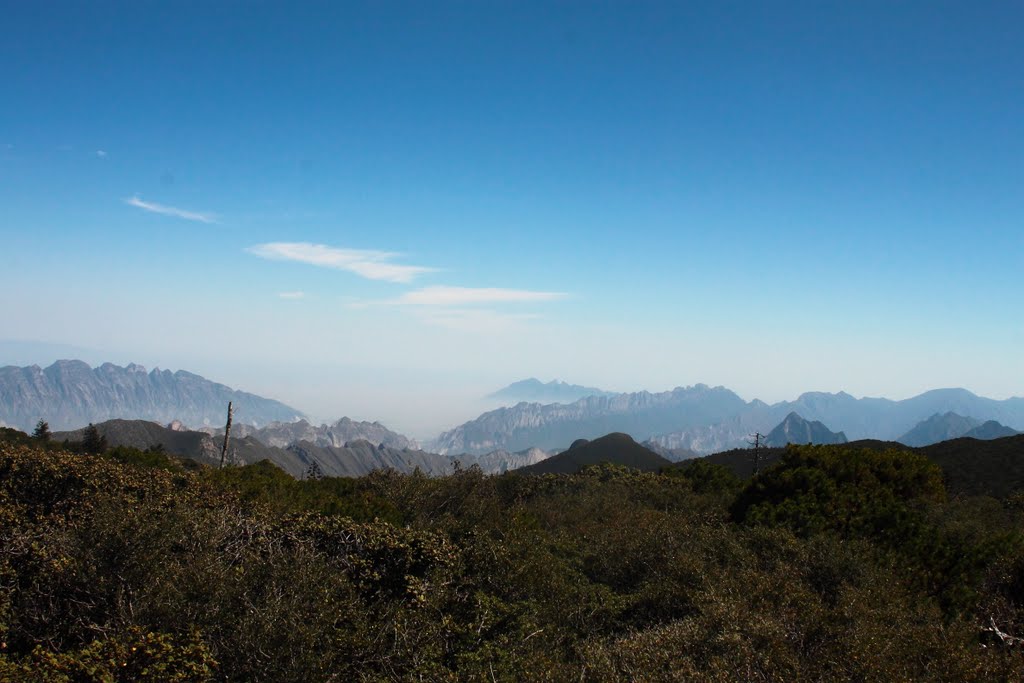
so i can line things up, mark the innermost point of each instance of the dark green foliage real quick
(858, 492)
(16, 437)
(976, 467)
(705, 476)
(131, 566)
(93, 442)
(893, 498)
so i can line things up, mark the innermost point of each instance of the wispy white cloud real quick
(291, 295)
(443, 295)
(153, 207)
(101, 154)
(373, 265)
(475, 320)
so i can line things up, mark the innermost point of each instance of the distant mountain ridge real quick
(553, 426)
(532, 390)
(70, 394)
(707, 420)
(990, 430)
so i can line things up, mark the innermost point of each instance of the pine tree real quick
(92, 441)
(42, 432)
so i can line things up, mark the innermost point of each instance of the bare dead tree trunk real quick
(227, 435)
(756, 443)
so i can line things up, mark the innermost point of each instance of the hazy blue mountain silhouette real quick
(795, 429)
(706, 420)
(939, 428)
(534, 391)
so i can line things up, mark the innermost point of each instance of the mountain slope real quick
(939, 428)
(70, 394)
(361, 457)
(534, 391)
(795, 429)
(616, 448)
(143, 434)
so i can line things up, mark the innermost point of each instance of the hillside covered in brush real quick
(127, 565)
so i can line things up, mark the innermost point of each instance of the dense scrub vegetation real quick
(832, 565)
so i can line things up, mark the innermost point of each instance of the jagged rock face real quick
(499, 462)
(795, 429)
(70, 394)
(671, 454)
(713, 438)
(360, 457)
(282, 435)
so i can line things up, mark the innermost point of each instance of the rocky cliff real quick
(70, 394)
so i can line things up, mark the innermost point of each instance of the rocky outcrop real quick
(283, 434)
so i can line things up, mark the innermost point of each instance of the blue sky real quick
(387, 210)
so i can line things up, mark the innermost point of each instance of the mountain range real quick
(534, 391)
(351, 459)
(70, 394)
(679, 423)
(707, 419)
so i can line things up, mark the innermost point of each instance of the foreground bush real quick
(135, 568)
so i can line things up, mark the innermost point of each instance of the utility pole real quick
(227, 435)
(756, 443)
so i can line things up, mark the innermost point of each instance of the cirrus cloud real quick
(443, 295)
(368, 263)
(153, 207)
